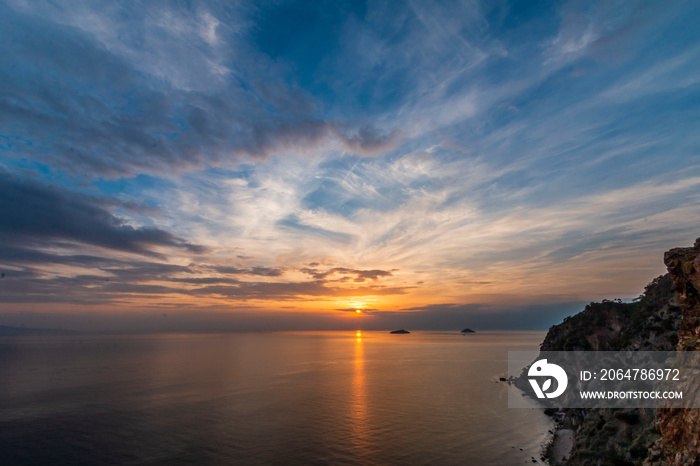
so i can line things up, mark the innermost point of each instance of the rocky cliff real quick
(684, 268)
(680, 428)
(665, 317)
(617, 436)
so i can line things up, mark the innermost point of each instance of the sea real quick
(277, 398)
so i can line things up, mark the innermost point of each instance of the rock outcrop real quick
(680, 428)
(684, 268)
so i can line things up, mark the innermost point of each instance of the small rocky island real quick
(400, 331)
(468, 330)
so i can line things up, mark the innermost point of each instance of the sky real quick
(170, 166)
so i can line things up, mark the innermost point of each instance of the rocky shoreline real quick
(559, 449)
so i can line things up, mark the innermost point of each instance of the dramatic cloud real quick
(261, 271)
(369, 141)
(158, 281)
(36, 214)
(455, 164)
(75, 116)
(360, 275)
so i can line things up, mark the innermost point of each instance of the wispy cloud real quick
(467, 159)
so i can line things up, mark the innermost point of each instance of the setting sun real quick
(359, 311)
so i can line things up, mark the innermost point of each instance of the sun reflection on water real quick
(360, 423)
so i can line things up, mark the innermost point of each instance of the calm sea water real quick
(269, 398)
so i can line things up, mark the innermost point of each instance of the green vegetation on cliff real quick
(649, 323)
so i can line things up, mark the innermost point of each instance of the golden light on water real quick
(359, 409)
